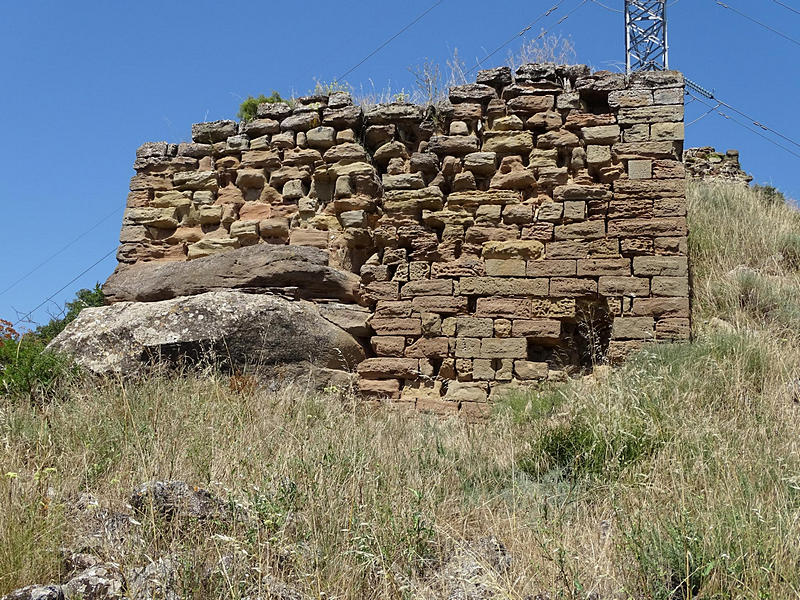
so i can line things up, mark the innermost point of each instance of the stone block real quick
(603, 135)
(505, 268)
(667, 132)
(624, 286)
(427, 287)
(556, 308)
(595, 267)
(510, 308)
(670, 286)
(458, 391)
(550, 211)
(540, 330)
(440, 304)
(388, 345)
(393, 308)
(568, 286)
(665, 266)
(389, 368)
(503, 348)
(468, 347)
(669, 207)
(520, 249)
(661, 307)
(640, 169)
(495, 286)
(309, 237)
(520, 142)
(587, 230)
(574, 210)
(636, 133)
(665, 226)
(650, 114)
(551, 268)
(396, 326)
(482, 369)
(598, 156)
(474, 327)
(633, 328)
(673, 329)
(434, 347)
(380, 388)
(527, 370)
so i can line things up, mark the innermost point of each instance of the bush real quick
(249, 108)
(83, 299)
(27, 369)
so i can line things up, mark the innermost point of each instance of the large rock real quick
(251, 268)
(234, 328)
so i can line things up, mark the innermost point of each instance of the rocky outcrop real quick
(302, 271)
(233, 328)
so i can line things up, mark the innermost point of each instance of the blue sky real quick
(85, 83)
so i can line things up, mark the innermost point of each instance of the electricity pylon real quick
(646, 35)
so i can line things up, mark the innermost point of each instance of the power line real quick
(710, 95)
(527, 28)
(51, 257)
(757, 22)
(390, 40)
(616, 10)
(69, 283)
(786, 6)
(751, 129)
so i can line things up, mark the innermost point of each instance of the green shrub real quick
(27, 369)
(770, 195)
(85, 298)
(249, 108)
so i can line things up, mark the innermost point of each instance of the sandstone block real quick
(482, 369)
(503, 348)
(551, 268)
(510, 308)
(650, 114)
(393, 308)
(661, 307)
(196, 180)
(473, 392)
(670, 286)
(667, 132)
(669, 207)
(453, 145)
(540, 330)
(381, 388)
(519, 249)
(505, 268)
(633, 328)
(603, 135)
(495, 286)
(527, 370)
(428, 347)
(595, 267)
(635, 150)
(380, 290)
(666, 226)
(556, 308)
(389, 368)
(559, 138)
(568, 286)
(630, 98)
(427, 287)
(309, 237)
(468, 347)
(588, 230)
(508, 143)
(388, 345)
(666, 266)
(472, 92)
(673, 329)
(474, 327)
(213, 131)
(624, 286)
(440, 304)
(550, 211)
(529, 105)
(396, 326)
(640, 169)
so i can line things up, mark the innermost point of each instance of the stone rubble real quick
(707, 164)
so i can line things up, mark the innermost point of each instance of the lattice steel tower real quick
(646, 35)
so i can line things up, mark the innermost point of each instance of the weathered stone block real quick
(661, 307)
(396, 326)
(440, 304)
(381, 388)
(388, 345)
(427, 287)
(673, 329)
(389, 368)
(624, 286)
(474, 327)
(666, 266)
(670, 286)
(505, 268)
(640, 169)
(633, 328)
(551, 268)
(510, 308)
(595, 267)
(540, 330)
(527, 370)
(503, 348)
(493, 286)
(568, 286)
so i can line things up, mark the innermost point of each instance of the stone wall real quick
(707, 164)
(533, 224)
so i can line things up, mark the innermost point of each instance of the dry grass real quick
(677, 476)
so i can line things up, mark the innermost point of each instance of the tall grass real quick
(674, 476)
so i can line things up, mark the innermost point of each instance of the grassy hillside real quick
(675, 476)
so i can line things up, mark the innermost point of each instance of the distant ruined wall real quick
(533, 223)
(707, 164)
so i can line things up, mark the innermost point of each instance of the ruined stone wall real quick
(533, 224)
(707, 164)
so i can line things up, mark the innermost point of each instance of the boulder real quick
(253, 268)
(36, 592)
(234, 328)
(175, 500)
